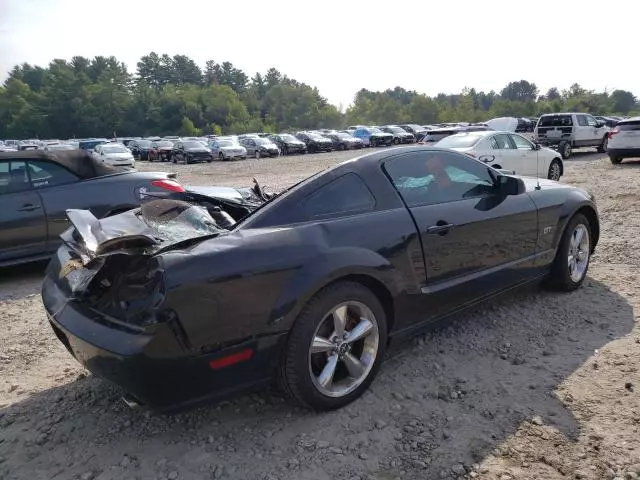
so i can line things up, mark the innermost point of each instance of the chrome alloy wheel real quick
(578, 252)
(555, 171)
(344, 349)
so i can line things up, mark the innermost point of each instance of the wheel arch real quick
(367, 268)
(377, 287)
(594, 223)
(559, 160)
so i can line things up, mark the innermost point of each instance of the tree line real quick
(172, 95)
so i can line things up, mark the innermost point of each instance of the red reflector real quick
(170, 185)
(241, 356)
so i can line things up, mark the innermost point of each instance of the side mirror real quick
(536, 146)
(599, 124)
(511, 185)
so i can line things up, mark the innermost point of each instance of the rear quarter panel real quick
(255, 282)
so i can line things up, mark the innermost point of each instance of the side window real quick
(13, 177)
(504, 142)
(493, 143)
(582, 120)
(521, 143)
(47, 174)
(590, 120)
(429, 178)
(347, 194)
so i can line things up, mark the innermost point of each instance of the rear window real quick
(629, 126)
(439, 135)
(555, 121)
(460, 141)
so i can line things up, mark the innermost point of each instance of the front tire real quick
(257, 155)
(396, 141)
(615, 160)
(571, 264)
(335, 347)
(221, 157)
(555, 170)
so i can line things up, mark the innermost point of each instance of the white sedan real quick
(114, 154)
(507, 151)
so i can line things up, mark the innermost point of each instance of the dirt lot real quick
(541, 385)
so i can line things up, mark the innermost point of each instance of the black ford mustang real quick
(178, 303)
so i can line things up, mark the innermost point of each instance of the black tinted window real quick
(427, 178)
(345, 194)
(555, 121)
(13, 177)
(46, 174)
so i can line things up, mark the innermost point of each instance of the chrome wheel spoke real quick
(341, 354)
(578, 236)
(339, 321)
(326, 376)
(361, 330)
(354, 366)
(321, 344)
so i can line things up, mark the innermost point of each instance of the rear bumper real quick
(623, 152)
(156, 369)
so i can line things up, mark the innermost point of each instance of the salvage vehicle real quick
(259, 147)
(400, 135)
(344, 141)
(315, 142)
(309, 287)
(115, 154)
(227, 149)
(140, 148)
(373, 136)
(566, 131)
(507, 150)
(190, 151)
(416, 130)
(36, 187)
(287, 143)
(624, 140)
(160, 151)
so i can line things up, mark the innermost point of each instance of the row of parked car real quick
(561, 131)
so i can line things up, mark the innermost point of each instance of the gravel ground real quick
(539, 386)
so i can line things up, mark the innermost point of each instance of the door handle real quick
(440, 228)
(28, 207)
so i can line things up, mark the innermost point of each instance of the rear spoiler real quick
(102, 237)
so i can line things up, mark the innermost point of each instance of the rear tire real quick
(396, 141)
(615, 160)
(570, 267)
(603, 146)
(303, 370)
(221, 157)
(565, 150)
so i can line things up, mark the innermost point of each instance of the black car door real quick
(475, 240)
(54, 184)
(23, 226)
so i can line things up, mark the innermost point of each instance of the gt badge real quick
(547, 230)
(69, 266)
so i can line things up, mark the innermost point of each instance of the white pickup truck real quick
(566, 131)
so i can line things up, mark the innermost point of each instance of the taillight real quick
(613, 132)
(472, 155)
(167, 184)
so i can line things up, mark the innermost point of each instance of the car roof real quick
(630, 119)
(80, 162)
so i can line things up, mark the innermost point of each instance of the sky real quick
(343, 46)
